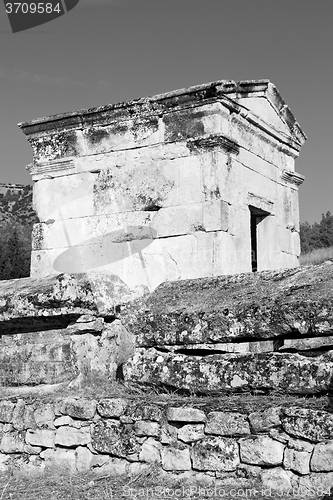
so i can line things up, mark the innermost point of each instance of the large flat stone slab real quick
(290, 373)
(252, 306)
(31, 304)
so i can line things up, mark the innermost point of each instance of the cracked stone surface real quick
(292, 373)
(261, 305)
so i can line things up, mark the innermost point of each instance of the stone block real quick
(314, 425)
(231, 254)
(41, 437)
(232, 372)
(261, 450)
(44, 416)
(280, 435)
(189, 181)
(317, 484)
(263, 421)
(193, 122)
(185, 414)
(322, 458)
(145, 411)
(112, 407)
(64, 197)
(173, 221)
(215, 454)
(3, 462)
(6, 411)
(168, 433)
(129, 189)
(215, 216)
(276, 479)
(83, 409)
(191, 432)
(300, 445)
(285, 239)
(12, 442)
(60, 459)
(175, 459)
(24, 416)
(205, 253)
(151, 451)
(305, 344)
(114, 438)
(214, 176)
(179, 257)
(32, 450)
(63, 420)
(297, 461)
(223, 423)
(108, 229)
(83, 459)
(69, 436)
(147, 428)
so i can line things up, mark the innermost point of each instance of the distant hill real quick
(16, 220)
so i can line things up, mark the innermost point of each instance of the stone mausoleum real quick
(193, 183)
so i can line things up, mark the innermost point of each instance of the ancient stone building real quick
(193, 183)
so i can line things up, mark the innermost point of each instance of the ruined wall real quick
(279, 449)
(159, 189)
(245, 361)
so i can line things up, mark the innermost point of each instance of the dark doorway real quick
(257, 215)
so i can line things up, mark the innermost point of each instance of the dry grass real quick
(316, 256)
(147, 486)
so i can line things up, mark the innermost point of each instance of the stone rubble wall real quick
(281, 447)
(251, 336)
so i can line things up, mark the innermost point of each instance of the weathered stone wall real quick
(248, 349)
(57, 330)
(288, 449)
(159, 189)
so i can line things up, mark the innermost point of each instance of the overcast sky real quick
(106, 51)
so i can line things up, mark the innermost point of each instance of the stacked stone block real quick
(283, 448)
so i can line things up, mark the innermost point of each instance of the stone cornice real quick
(222, 90)
(292, 177)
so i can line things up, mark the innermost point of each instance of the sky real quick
(108, 51)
